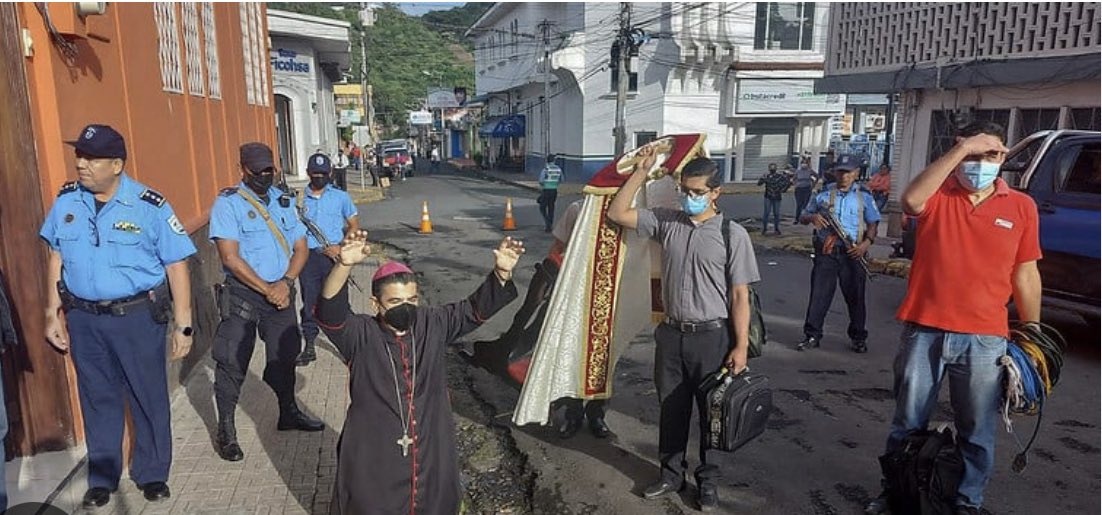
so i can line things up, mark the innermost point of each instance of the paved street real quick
(819, 455)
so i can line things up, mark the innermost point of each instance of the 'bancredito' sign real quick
(289, 61)
(784, 96)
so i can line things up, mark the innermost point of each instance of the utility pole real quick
(623, 43)
(545, 113)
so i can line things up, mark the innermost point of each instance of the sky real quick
(419, 8)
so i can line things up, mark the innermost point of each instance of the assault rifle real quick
(311, 227)
(836, 227)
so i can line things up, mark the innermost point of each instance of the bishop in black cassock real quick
(397, 453)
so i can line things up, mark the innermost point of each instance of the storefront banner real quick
(784, 96)
(420, 118)
(288, 61)
(440, 98)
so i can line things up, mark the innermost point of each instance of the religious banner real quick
(607, 291)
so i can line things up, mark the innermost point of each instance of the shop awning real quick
(511, 126)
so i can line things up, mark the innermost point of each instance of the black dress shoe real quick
(569, 427)
(662, 488)
(859, 346)
(294, 419)
(599, 428)
(307, 356)
(230, 451)
(708, 498)
(96, 497)
(155, 491)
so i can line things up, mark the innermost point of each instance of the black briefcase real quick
(738, 408)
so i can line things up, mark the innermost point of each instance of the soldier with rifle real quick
(328, 214)
(845, 218)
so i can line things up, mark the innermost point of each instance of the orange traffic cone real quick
(426, 223)
(510, 224)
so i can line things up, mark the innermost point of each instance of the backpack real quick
(758, 334)
(922, 475)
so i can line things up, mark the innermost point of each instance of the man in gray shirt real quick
(702, 283)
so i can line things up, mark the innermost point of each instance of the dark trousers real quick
(681, 362)
(772, 206)
(828, 271)
(233, 348)
(340, 178)
(593, 409)
(310, 280)
(803, 195)
(120, 360)
(546, 202)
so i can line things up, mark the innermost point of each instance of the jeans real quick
(881, 200)
(771, 206)
(803, 194)
(3, 456)
(971, 362)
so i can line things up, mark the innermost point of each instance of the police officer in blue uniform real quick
(834, 264)
(113, 242)
(328, 214)
(262, 244)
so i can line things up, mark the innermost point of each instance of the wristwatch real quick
(185, 330)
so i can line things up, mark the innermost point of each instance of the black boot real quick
(307, 356)
(227, 445)
(292, 418)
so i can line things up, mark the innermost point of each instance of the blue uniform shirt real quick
(233, 218)
(845, 208)
(122, 250)
(329, 212)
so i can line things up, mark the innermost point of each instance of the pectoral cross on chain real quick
(404, 442)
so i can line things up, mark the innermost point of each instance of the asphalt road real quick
(832, 406)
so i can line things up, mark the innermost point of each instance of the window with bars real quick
(945, 124)
(784, 26)
(1086, 119)
(168, 47)
(192, 51)
(247, 50)
(261, 56)
(210, 50)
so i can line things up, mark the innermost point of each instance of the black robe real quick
(372, 475)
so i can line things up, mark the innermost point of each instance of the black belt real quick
(696, 327)
(117, 307)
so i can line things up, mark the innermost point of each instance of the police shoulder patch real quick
(152, 197)
(68, 187)
(232, 190)
(176, 226)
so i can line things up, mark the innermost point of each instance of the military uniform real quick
(329, 211)
(115, 295)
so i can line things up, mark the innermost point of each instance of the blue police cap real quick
(847, 162)
(319, 163)
(100, 141)
(256, 156)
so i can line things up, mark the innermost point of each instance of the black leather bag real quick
(738, 408)
(923, 474)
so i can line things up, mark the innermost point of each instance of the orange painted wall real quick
(183, 145)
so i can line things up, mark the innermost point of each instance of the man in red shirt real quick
(977, 247)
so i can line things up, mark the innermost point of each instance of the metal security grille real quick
(878, 36)
(168, 46)
(210, 44)
(945, 123)
(192, 50)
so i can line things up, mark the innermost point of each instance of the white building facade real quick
(741, 73)
(308, 55)
(1026, 66)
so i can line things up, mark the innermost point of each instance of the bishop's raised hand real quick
(507, 254)
(354, 249)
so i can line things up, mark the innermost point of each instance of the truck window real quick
(1082, 174)
(1017, 163)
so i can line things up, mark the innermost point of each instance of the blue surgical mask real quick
(977, 175)
(694, 205)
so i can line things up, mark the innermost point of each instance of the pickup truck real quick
(1060, 171)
